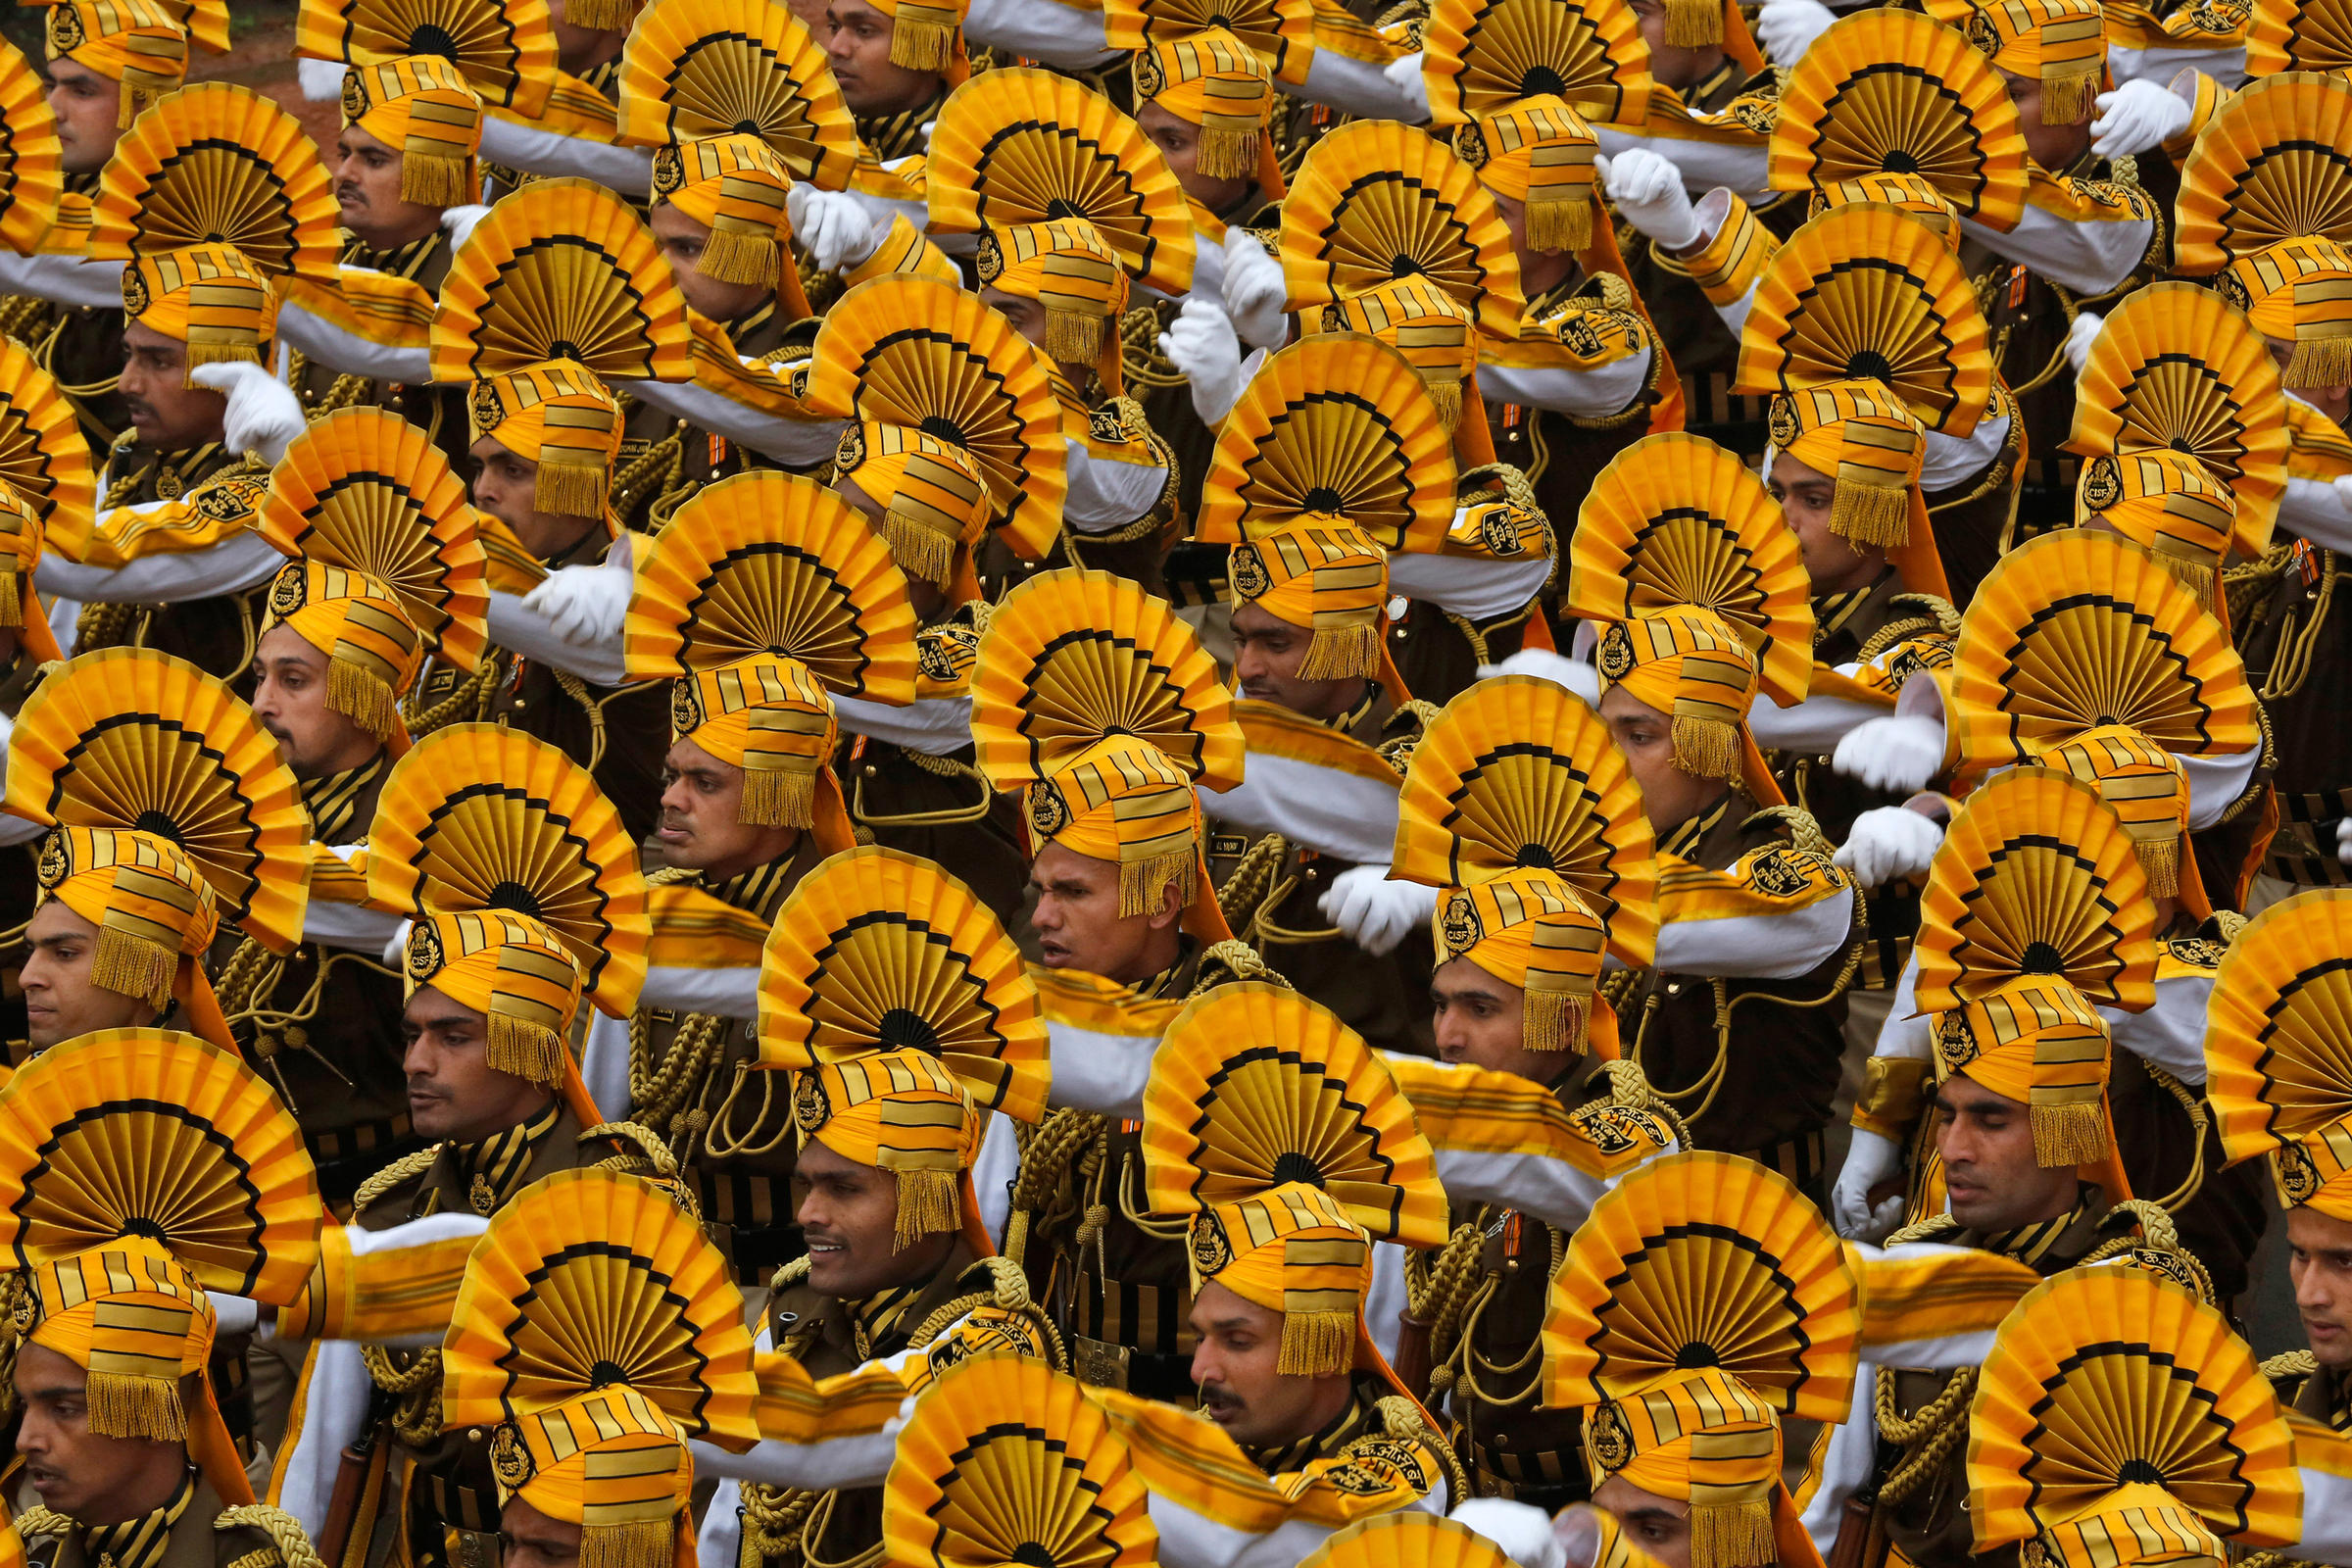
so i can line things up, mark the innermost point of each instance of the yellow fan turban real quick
(1538, 152)
(209, 297)
(1123, 800)
(1705, 1437)
(135, 42)
(511, 968)
(612, 1463)
(1861, 435)
(1324, 577)
(1215, 82)
(927, 35)
(2168, 503)
(904, 1112)
(2038, 1041)
(1688, 664)
(558, 414)
(1528, 928)
(767, 716)
(373, 650)
(421, 107)
(734, 186)
(2148, 789)
(154, 911)
(934, 501)
(2299, 291)
(1292, 1250)
(1421, 321)
(2061, 43)
(1067, 268)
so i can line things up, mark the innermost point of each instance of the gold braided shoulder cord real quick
(945, 767)
(407, 1168)
(469, 700)
(1245, 887)
(39, 1521)
(1404, 1421)
(416, 1388)
(1439, 1289)
(1929, 1439)
(775, 1091)
(282, 1528)
(1045, 1161)
(660, 1090)
(773, 1518)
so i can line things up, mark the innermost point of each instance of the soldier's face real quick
(1482, 1022)
(857, 43)
(1236, 1347)
(849, 1213)
(91, 1480)
(506, 485)
(86, 106)
(1807, 497)
(167, 414)
(1678, 66)
(367, 193)
(2335, 402)
(1179, 141)
(60, 999)
(1078, 925)
(2320, 1263)
(2053, 147)
(1267, 653)
(452, 1090)
(530, 1539)
(683, 241)
(701, 828)
(1991, 1174)
(1670, 797)
(289, 698)
(1659, 1526)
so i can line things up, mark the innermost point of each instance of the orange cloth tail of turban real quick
(199, 1008)
(147, 1407)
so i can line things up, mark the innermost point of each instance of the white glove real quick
(263, 413)
(833, 226)
(1898, 753)
(1374, 912)
(1200, 343)
(2344, 829)
(1888, 844)
(585, 605)
(2135, 117)
(396, 950)
(1404, 75)
(1256, 290)
(1579, 677)
(1787, 28)
(322, 79)
(459, 221)
(1871, 1161)
(1648, 190)
(1522, 1530)
(2081, 336)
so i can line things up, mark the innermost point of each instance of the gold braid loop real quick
(469, 699)
(1053, 1147)
(1403, 1419)
(285, 1532)
(39, 1521)
(1239, 961)
(407, 1167)
(1929, 1439)
(773, 1518)
(1631, 1088)
(1446, 1280)
(1245, 887)
(104, 625)
(416, 1417)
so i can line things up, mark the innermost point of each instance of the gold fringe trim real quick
(363, 696)
(1732, 1534)
(1706, 748)
(218, 354)
(524, 1050)
(134, 966)
(2072, 1133)
(1564, 223)
(130, 105)
(1336, 652)
(640, 1542)
(925, 552)
(1224, 154)
(1555, 1020)
(122, 1406)
(1073, 337)
(1871, 513)
(2160, 859)
(2190, 573)
(921, 46)
(432, 179)
(778, 797)
(1446, 391)
(927, 1206)
(2319, 362)
(575, 489)
(1316, 1345)
(732, 256)
(12, 606)
(605, 16)
(1144, 883)
(1693, 23)
(2066, 99)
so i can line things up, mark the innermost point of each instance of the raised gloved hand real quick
(1871, 1161)
(832, 224)
(1648, 190)
(1256, 291)
(1404, 75)
(1374, 912)
(1787, 28)
(322, 79)
(1521, 1530)
(2344, 829)
(2136, 117)
(586, 606)
(1200, 343)
(1898, 753)
(2081, 336)
(1888, 844)
(263, 413)
(1543, 663)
